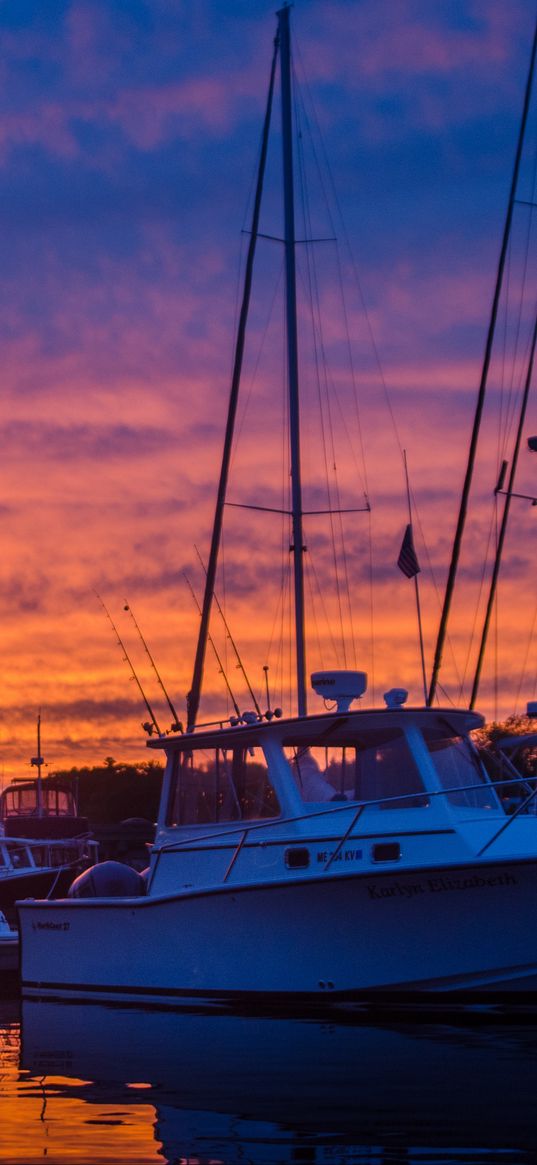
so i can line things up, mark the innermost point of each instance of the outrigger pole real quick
(152, 723)
(193, 698)
(455, 554)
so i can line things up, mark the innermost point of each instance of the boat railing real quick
(245, 831)
(29, 853)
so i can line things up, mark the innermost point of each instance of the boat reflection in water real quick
(235, 1088)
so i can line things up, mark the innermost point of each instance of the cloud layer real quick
(127, 148)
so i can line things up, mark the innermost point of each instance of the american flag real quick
(408, 559)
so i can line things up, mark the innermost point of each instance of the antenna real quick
(177, 725)
(240, 664)
(214, 647)
(38, 761)
(270, 712)
(151, 724)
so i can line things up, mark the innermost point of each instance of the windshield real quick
(459, 770)
(219, 785)
(376, 765)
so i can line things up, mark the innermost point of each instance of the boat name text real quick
(440, 885)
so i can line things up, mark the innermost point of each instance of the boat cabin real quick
(403, 782)
(398, 760)
(40, 808)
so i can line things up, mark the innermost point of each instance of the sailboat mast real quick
(298, 547)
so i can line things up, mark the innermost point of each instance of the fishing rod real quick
(215, 649)
(240, 664)
(150, 725)
(177, 725)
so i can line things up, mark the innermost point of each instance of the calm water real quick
(91, 1085)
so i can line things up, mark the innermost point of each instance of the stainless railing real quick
(20, 853)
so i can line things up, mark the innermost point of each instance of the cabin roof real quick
(301, 728)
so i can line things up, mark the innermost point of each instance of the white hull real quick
(467, 929)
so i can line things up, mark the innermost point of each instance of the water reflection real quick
(162, 1086)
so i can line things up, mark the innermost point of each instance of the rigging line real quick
(446, 695)
(526, 657)
(461, 522)
(194, 695)
(352, 369)
(517, 394)
(530, 220)
(304, 87)
(217, 656)
(511, 410)
(242, 419)
(176, 725)
(354, 267)
(477, 604)
(153, 724)
(274, 623)
(372, 609)
(285, 524)
(235, 649)
(314, 614)
(319, 360)
(286, 607)
(432, 574)
(350, 252)
(224, 587)
(500, 453)
(506, 508)
(323, 605)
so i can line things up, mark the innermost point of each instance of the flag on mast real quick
(408, 559)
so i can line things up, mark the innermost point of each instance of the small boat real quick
(343, 857)
(37, 808)
(44, 843)
(45, 809)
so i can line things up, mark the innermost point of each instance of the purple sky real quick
(128, 145)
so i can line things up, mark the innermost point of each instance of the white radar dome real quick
(341, 686)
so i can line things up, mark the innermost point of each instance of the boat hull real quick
(463, 931)
(32, 883)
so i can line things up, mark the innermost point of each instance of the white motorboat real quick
(342, 856)
(393, 870)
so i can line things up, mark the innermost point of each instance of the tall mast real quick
(455, 554)
(297, 547)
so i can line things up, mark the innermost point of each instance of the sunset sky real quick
(128, 145)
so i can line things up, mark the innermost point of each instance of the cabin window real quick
(459, 770)
(375, 767)
(221, 785)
